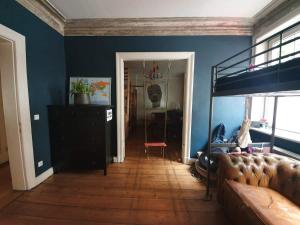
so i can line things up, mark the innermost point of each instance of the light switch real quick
(40, 163)
(36, 117)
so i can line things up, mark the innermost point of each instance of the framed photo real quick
(102, 86)
(155, 94)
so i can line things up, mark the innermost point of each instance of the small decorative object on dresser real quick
(80, 136)
(81, 92)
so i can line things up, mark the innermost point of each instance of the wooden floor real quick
(138, 191)
(7, 194)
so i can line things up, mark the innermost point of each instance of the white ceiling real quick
(81, 9)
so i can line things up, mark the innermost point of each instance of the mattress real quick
(280, 77)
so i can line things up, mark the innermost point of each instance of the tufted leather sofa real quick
(259, 189)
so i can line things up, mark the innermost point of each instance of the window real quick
(288, 115)
(288, 108)
(286, 49)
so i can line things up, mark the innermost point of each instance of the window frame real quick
(270, 42)
(268, 57)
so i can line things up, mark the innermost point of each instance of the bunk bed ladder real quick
(208, 194)
(274, 123)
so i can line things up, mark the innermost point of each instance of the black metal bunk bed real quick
(275, 77)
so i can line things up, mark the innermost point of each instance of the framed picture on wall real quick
(101, 85)
(155, 94)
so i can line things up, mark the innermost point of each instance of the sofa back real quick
(279, 173)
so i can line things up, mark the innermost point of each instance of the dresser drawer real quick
(80, 137)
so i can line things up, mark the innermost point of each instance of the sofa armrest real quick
(252, 169)
(265, 170)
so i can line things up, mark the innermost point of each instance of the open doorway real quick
(3, 140)
(6, 189)
(6, 67)
(121, 59)
(17, 153)
(153, 97)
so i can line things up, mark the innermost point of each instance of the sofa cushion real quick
(287, 180)
(279, 173)
(268, 205)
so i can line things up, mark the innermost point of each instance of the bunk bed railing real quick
(259, 43)
(223, 70)
(262, 53)
(260, 64)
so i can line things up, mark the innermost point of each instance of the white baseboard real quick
(115, 159)
(191, 161)
(42, 177)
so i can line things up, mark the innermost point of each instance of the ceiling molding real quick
(46, 12)
(175, 26)
(159, 26)
(267, 10)
(276, 13)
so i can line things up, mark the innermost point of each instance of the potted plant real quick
(81, 92)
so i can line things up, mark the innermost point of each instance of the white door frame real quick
(17, 116)
(187, 99)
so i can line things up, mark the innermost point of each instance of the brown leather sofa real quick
(259, 189)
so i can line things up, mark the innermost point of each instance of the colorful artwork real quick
(101, 88)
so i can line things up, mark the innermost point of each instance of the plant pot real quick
(82, 99)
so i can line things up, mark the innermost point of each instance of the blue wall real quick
(48, 53)
(45, 69)
(230, 111)
(95, 56)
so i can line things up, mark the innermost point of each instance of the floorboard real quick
(139, 191)
(7, 194)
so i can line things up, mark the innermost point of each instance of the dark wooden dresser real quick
(80, 137)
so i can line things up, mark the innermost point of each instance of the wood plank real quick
(138, 191)
(7, 195)
(123, 193)
(9, 219)
(109, 202)
(110, 216)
